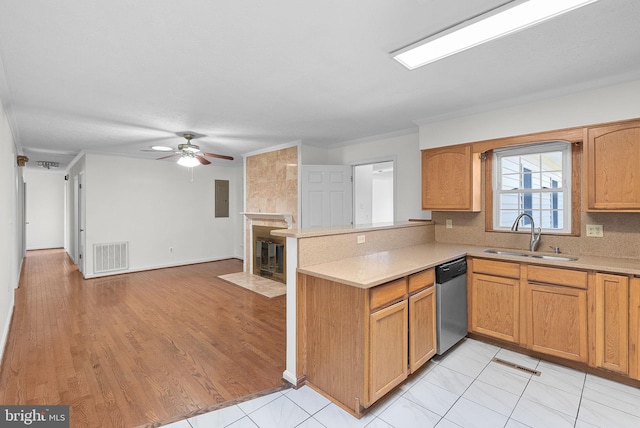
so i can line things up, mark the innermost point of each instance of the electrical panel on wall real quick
(222, 198)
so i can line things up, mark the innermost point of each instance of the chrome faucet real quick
(535, 233)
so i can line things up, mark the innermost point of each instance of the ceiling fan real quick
(191, 155)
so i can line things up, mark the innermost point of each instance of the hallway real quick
(139, 348)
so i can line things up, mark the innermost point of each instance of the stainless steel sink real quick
(557, 258)
(535, 256)
(506, 253)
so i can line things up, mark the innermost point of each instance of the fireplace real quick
(269, 255)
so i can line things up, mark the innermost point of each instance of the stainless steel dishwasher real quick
(451, 304)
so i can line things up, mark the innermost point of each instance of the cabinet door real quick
(388, 349)
(634, 328)
(450, 179)
(557, 321)
(612, 157)
(495, 306)
(422, 328)
(612, 322)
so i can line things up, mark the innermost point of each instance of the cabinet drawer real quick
(421, 280)
(386, 294)
(493, 267)
(557, 276)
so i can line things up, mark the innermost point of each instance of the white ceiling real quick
(116, 76)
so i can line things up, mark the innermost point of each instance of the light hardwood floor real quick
(141, 348)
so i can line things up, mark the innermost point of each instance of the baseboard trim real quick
(7, 329)
(292, 379)
(161, 266)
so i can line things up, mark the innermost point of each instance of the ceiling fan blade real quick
(213, 155)
(202, 160)
(167, 157)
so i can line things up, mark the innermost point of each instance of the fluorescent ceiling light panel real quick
(495, 24)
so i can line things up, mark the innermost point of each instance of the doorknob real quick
(81, 230)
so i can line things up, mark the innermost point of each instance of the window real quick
(534, 180)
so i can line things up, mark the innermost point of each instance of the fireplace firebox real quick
(269, 258)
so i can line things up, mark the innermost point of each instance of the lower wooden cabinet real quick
(634, 328)
(422, 327)
(557, 312)
(580, 315)
(612, 322)
(388, 349)
(557, 321)
(495, 306)
(356, 341)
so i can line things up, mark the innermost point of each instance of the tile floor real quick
(463, 388)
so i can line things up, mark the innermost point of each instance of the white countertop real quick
(377, 268)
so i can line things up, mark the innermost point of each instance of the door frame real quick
(390, 158)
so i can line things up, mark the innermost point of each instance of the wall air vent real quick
(110, 257)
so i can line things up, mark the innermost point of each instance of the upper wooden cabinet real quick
(612, 173)
(451, 179)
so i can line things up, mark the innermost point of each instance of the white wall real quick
(45, 208)
(10, 227)
(405, 151)
(612, 103)
(312, 155)
(167, 218)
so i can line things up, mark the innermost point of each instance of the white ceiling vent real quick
(110, 257)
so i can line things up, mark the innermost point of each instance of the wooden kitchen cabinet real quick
(388, 349)
(556, 312)
(612, 322)
(422, 319)
(451, 179)
(634, 328)
(612, 157)
(494, 302)
(360, 343)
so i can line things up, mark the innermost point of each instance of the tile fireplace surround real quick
(262, 224)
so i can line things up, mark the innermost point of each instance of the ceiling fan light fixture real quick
(489, 26)
(191, 148)
(188, 161)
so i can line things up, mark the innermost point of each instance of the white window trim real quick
(555, 145)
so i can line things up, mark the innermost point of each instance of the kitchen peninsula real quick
(360, 315)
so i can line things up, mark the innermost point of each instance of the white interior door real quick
(326, 195)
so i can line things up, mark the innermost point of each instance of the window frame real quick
(488, 147)
(528, 192)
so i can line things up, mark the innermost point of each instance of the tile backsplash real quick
(621, 235)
